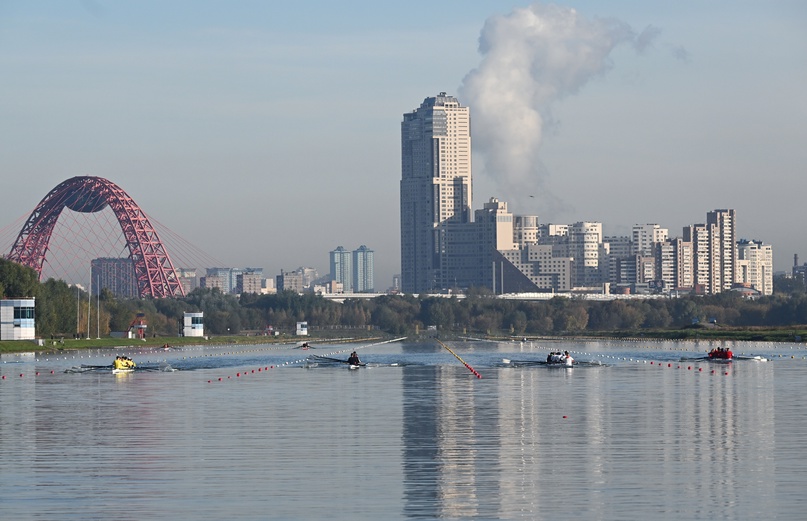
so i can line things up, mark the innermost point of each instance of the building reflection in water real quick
(521, 441)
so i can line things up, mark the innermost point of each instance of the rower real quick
(354, 359)
(569, 359)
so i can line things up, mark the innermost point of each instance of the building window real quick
(23, 313)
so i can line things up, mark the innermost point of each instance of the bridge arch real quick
(155, 274)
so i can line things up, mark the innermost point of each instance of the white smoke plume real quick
(532, 58)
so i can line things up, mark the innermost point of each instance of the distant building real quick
(188, 279)
(363, 267)
(254, 274)
(17, 319)
(435, 194)
(290, 281)
(220, 278)
(723, 266)
(620, 251)
(211, 282)
(309, 276)
(341, 263)
(249, 282)
(226, 279)
(646, 236)
(552, 230)
(117, 275)
(699, 237)
(268, 286)
(755, 266)
(585, 243)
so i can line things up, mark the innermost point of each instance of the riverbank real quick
(706, 333)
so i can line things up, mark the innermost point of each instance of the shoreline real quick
(710, 334)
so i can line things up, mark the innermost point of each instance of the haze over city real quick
(268, 134)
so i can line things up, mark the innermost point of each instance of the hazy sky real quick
(267, 133)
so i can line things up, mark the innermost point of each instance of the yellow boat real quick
(123, 365)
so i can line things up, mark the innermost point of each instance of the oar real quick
(319, 357)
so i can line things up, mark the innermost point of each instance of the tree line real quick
(62, 310)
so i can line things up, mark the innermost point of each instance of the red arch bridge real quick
(154, 273)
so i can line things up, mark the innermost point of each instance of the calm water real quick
(239, 432)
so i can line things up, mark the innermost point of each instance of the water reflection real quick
(426, 440)
(620, 441)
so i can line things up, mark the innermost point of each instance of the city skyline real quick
(214, 116)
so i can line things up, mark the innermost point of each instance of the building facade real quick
(363, 267)
(114, 274)
(213, 281)
(341, 261)
(17, 319)
(755, 265)
(723, 261)
(249, 282)
(646, 236)
(193, 324)
(291, 281)
(435, 193)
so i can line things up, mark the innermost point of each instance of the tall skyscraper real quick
(722, 225)
(698, 235)
(363, 270)
(341, 261)
(435, 193)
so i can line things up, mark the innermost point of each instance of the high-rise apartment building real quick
(646, 236)
(363, 266)
(249, 282)
(698, 236)
(755, 265)
(723, 262)
(435, 194)
(114, 274)
(290, 281)
(585, 247)
(341, 261)
(219, 278)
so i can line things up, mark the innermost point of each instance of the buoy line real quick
(290, 363)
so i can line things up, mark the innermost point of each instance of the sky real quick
(267, 133)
